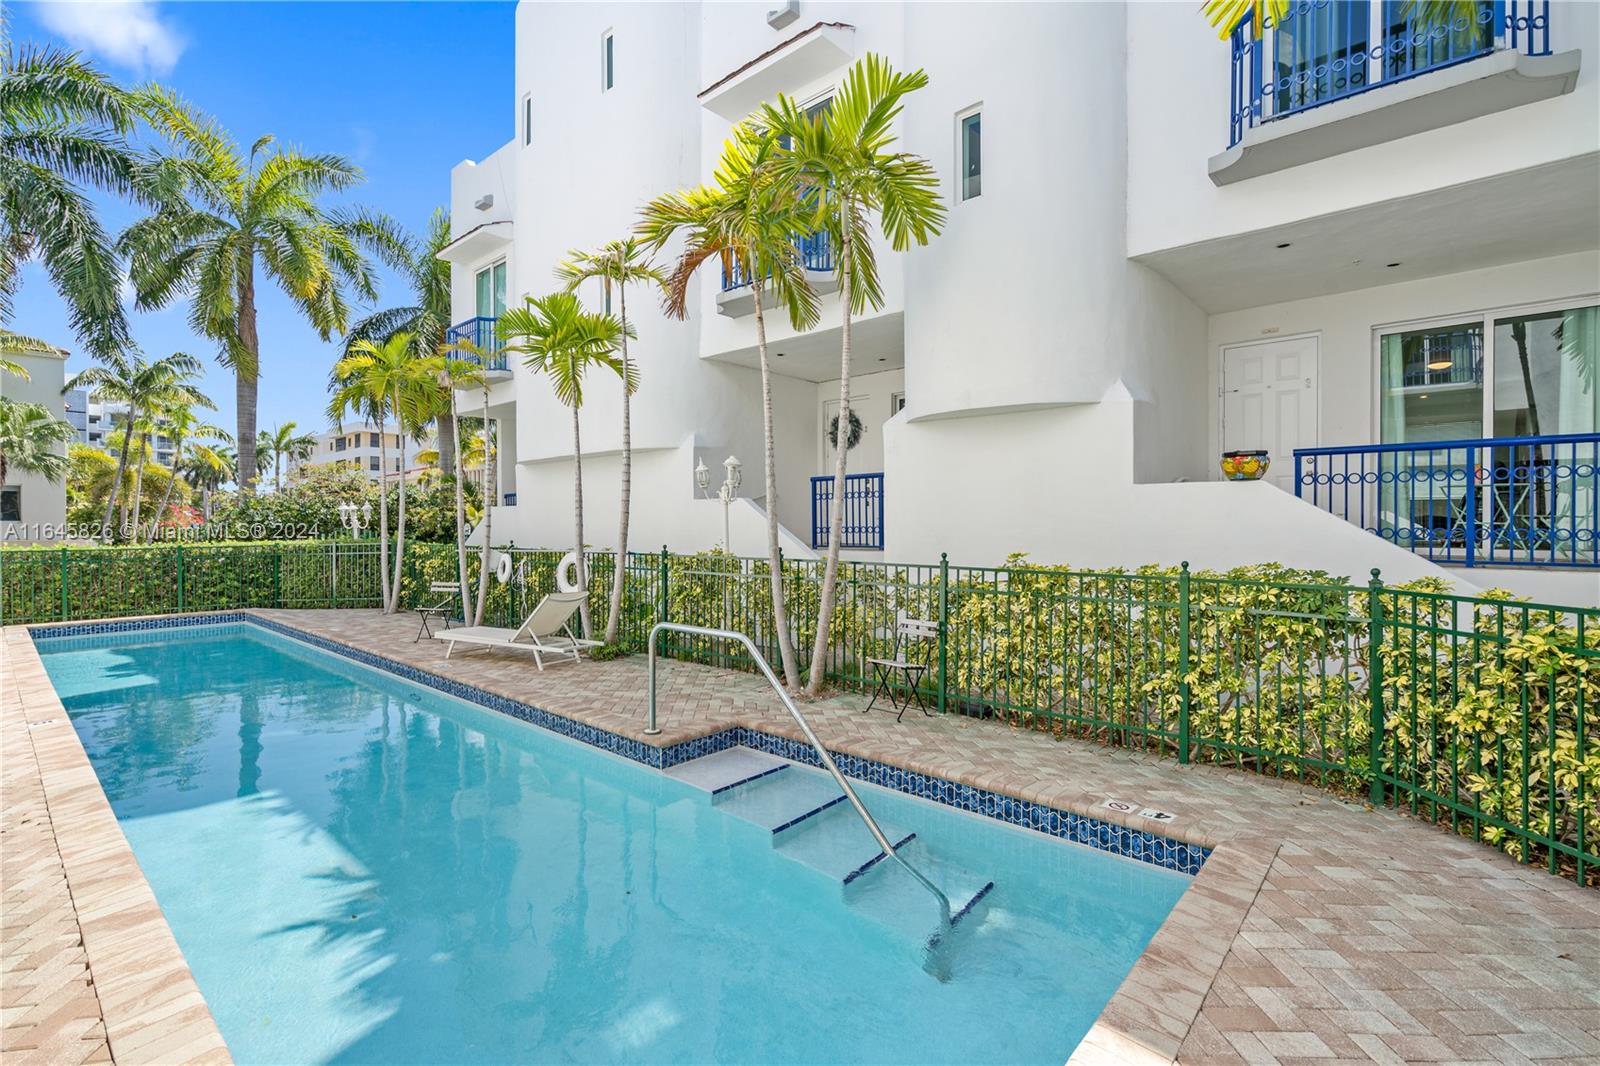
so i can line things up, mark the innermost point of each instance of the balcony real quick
(863, 512)
(736, 298)
(1499, 501)
(1366, 57)
(480, 333)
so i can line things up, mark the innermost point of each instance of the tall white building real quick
(357, 446)
(1355, 234)
(100, 423)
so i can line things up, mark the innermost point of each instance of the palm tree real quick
(380, 380)
(181, 425)
(125, 376)
(282, 442)
(617, 264)
(749, 220)
(844, 161)
(244, 211)
(427, 318)
(63, 127)
(450, 374)
(561, 340)
(33, 440)
(207, 467)
(477, 360)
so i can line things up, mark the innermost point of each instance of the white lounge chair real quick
(547, 631)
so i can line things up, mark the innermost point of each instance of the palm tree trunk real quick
(491, 493)
(122, 466)
(830, 576)
(138, 491)
(400, 522)
(277, 470)
(620, 566)
(577, 524)
(449, 425)
(383, 518)
(245, 385)
(166, 497)
(449, 438)
(780, 613)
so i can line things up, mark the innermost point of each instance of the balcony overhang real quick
(482, 240)
(736, 303)
(803, 58)
(1495, 82)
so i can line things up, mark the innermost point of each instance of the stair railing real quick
(652, 729)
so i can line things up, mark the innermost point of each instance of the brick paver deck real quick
(1319, 931)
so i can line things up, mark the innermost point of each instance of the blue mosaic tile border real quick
(1121, 840)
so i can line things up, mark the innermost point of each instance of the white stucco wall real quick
(44, 504)
(1177, 84)
(1346, 324)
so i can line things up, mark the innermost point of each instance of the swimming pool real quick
(361, 869)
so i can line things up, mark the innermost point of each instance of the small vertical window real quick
(11, 504)
(527, 120)
(969, 132)
(608, 61)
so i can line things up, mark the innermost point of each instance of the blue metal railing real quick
(1500, 501)
(814, 252)
(480, 332)
(509, 499)
(863, 511)
(1323, 50)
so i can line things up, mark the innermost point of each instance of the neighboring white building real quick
(356, 446)
(1146, 261)
(31, 507)
(99, 423)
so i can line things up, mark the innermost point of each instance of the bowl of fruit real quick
(1245, 465)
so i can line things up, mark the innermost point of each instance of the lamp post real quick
(727, 492)
(355, 519)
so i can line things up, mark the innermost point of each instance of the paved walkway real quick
(1319, 931)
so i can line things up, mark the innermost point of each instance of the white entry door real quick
(1269, 400)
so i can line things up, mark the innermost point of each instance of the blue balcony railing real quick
(863, 511)
(1500, 501)
(1324, 50)
(480, 332)
(509, 499)
(814, 253)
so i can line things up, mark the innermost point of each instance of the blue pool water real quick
(360, 869)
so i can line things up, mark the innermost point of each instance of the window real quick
(11, 504)
(372, 463)
(969, 152)
(491, 291)
(527, 120)
(338, 444)
(608, 61)
(897, 403)
(372, 440)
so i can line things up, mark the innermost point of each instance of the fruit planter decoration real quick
(1245, 465)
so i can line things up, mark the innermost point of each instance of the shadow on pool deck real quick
(1320, 929)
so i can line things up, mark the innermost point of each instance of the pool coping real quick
(1152, 1010)
(151, 1006)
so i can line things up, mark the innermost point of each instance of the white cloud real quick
(129, 33)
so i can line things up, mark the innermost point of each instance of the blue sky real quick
(406, 90)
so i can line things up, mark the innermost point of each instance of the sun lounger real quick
(546, 632)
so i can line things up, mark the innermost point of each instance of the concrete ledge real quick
(1495, 82)
(152, 1008)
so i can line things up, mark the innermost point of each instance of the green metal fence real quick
(1477, 713)
(74, 584)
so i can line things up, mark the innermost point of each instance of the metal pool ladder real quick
(652, 729)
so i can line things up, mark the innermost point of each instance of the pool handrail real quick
(652, 729)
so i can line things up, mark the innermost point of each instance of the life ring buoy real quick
(502, 569)
(574, 583)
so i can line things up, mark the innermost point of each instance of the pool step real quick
(838, 845)
(890, 896)
(727, 769)
(812, 823)
(780, 802)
